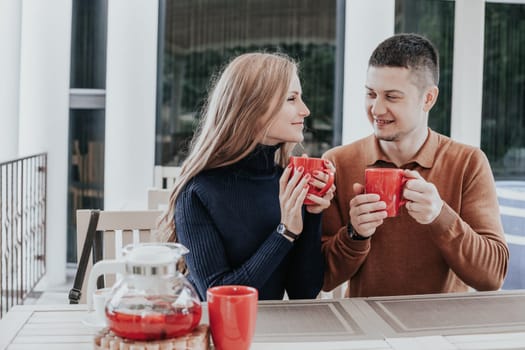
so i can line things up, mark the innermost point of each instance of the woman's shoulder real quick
(200, 182)
(198, 189)
(207, 183)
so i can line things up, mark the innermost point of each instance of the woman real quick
(234, 206)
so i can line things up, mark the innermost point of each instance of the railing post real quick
(23, 198)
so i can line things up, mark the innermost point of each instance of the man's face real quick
(395, 105)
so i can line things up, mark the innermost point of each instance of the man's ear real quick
(431, 95)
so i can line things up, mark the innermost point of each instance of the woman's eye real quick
(291, 98)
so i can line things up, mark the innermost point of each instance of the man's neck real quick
(400, 152)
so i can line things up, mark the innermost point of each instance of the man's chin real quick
(385, 137)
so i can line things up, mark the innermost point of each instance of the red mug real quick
(310, 165)
(232, 312)
(388, 184)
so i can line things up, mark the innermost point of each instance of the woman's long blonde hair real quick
(241, 104)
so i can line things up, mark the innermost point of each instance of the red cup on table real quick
(388, 184)
(232, 311)
(310, 165)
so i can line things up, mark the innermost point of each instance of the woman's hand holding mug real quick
(293, 189)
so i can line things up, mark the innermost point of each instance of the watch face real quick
(281, 228)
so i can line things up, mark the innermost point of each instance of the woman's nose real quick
(305, 111)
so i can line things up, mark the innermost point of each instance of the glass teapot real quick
(153, 300)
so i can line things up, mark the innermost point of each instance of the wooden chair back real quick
(165, 176)
(119, 228)
(158, 198)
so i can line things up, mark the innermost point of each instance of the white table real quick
(490, 320)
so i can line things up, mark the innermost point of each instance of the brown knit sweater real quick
(464, 246)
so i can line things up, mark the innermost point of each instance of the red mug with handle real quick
(388, 184)
(232, 311)
(310, 165)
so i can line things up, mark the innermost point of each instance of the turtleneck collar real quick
(261, 161)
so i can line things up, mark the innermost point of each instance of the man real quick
(449, 235)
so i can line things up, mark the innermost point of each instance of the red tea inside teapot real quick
(162, 323)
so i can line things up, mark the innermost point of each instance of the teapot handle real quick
(100, 268)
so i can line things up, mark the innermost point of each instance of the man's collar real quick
(424, 157)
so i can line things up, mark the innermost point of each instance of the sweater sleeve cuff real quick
(356, 245)
(312, 219)
(444, 222)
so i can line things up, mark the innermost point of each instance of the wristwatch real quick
(281, 229)
(354, 235)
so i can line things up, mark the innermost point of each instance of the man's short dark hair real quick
(411, 51)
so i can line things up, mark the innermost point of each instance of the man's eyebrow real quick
(394, 91)
(387, 91)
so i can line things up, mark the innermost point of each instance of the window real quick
(87, 113)
(198, 38)
(503, 114)
(503, 124)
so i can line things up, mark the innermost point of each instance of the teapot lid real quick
(153, 254)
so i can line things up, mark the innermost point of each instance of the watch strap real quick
(291, 235)
(354, 235)
(285, 232)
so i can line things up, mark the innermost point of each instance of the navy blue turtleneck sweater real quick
(227, 217)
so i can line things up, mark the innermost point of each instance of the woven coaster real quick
(198, 339)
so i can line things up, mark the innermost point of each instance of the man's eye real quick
(370, 94)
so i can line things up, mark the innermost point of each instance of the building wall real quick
(44, 110)
(358, 48)
(10, 31)
(130, 103)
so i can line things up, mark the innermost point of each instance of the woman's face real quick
(288, 123)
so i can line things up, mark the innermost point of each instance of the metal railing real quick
(23, 196)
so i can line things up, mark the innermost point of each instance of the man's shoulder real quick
(457, 148)
(453, 154)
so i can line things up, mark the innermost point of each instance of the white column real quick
(467, 78)
(44, 112)
(10, 27)
(130, 103)
(367, 24)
